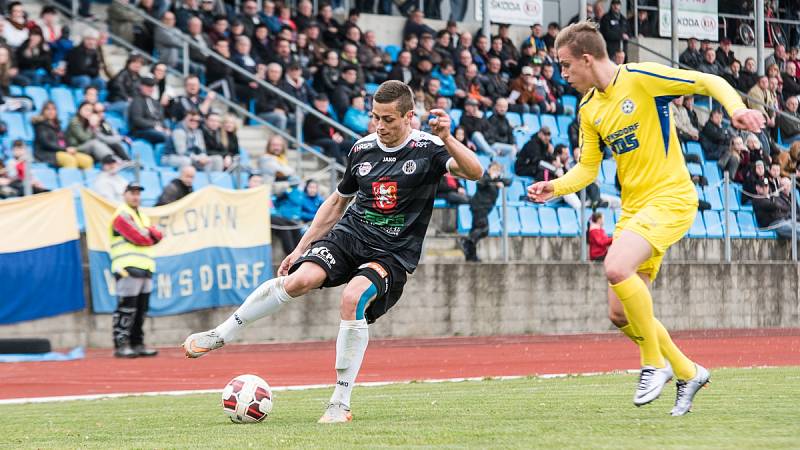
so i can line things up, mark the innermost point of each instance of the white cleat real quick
(688, 389)
(651, 383)
(336, 413)
(198, 344)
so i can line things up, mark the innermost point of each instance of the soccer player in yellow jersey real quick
(626, 107)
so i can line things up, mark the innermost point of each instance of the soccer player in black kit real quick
(369, 245)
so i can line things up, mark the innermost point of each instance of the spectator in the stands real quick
(187, 146)
(749, 75)
(357, 117)
(527, 163)
(789, 121)
(191, 100)
(425, 49)
(220, 76)
(242, 56)
(683, 124)
(618, 57)
(250, 17)
(473, 120)
(262, 45)
(220, 31)
(773, 211)
(162, 92)
(450, 189)
(327, 76)
(229, 138)
(124, 86)
(311, 201)
(167, 41)
(499, 139)
(295, 85)
(756, 176)
(269, 17)
(34, 60)
(17, 26)
(274, 164)
(710, 64)
(598, 240)
(8, 71)
(83, 63)
(90, 95)
(480, 205)
(646, 26)
(49, 24)
(179, 187)
(304, 15)
(122, 20)
(82, 133)
(551, 90)
(283, 54)
(691, 57)
(763, 96)
(346, 88)
(322, 134)
(218, 154)
(202, 44)
(734, 76)
(372, 59)
(774, 176)
(270, 106)
(416, 25)
(614, 28)
(108, 134)
(50, 143)
(498, 51)
(287, 231)
(788, 160)
(714, 138)
(109, 183)
(447, 81)
(552, 31)
(184, 12)
(731, 158)
(790, 81)
(402, 70)
(432, 91)
(329, 26)
(778, 57)
(524, 92)
(724, 53)
(146, 115)
(495, 81)
(470, 82)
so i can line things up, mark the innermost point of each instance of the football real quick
(247, 399)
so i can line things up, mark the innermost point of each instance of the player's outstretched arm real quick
(328, 214)
(464, 164)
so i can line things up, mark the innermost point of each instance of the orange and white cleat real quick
(336, 413)
(198, 344)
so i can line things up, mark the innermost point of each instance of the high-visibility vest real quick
(125, 254)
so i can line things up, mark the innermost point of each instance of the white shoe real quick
(336, 413)
(651, 383)
(198, 344)
(688, 389)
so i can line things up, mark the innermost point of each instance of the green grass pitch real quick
(742, 408)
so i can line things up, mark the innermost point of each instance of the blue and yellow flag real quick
(40, 259)
(216, 249)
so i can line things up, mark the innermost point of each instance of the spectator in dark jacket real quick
(191, 100)
(346, 89)
(451, 190)
(125, 85)
(710, 64)
(50, 143)
(498, 139)
(481, 204)
(83, 63)
(714, 138)
(270, 106)
(691, 57)
(734, 76)
(219, 155)
(402, 70)
(773, 210)
(327, 76)
(790, 126)
(416, 25)
(614, 28)
(495, 82)
(528, 158)
(250, 17)
(146, 115)
(749, 75)
(219, 76)
(320, 133)
(179, 187)
(242, 56)
(34, 60)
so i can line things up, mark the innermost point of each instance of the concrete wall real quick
(470, 299)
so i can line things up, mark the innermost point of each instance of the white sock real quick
(351, 344)
(264, 300)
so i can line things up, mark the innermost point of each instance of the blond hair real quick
(583, 38)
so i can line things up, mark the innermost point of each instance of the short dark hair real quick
(393, 90)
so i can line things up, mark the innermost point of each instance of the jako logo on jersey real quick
(364, 168)
(409, 167)
(364, 146)
(385, 195)
(322, 253)
(389, 159)
(628, 106)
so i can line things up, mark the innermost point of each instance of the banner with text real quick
(216, 249)
(514, 12)
(696, 18)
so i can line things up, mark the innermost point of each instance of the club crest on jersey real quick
(409, 167)
(364, 168)
(628, 106)
(384, 194)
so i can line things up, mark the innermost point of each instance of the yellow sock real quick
(682, 366)
(629, 331)
(638, 306)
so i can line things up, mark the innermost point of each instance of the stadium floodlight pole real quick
(185, 59)
(727, 209)
(793, 198)
(582, 228)
(636, 19)
(487, 24)
(582, 10)
(504, 209)
(673, 16)
(760, 36)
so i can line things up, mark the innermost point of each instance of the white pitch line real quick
(69, 398)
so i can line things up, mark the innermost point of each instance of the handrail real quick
(229, 103)
(210, 53)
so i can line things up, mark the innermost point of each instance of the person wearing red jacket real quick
(597, 237)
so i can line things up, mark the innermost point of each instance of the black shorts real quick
(343, 257)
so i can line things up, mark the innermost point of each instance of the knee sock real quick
(264, 300)
(351, 344)
(682, 366)
(638, 306)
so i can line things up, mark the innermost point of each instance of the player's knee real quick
(617, 317)
(617, 271)
(349, 304)
(302, 281)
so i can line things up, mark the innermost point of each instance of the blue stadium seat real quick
(89, 175)
(695, 169)
(563, 124)
(609, 223)
(694, 148)
(440, 203)
(495, 222)
(732, 223)
(200, 181)
(713, 224)
(513, 119)
(521, 137)
(508, 165)
(17, 129)
(222, 179)
(471, 187)
(151, 182)
(560, 139)
(167, 174)
(548, 221)
(698, 229)
(46, 176)
(128, 174)
(609, 167)
(733, 196)
(529, 221)
(77, 95)
(455, 117)
(568, 221)
(393, 51)
(711, 172)
(700, 194)
(514, 225)
(570, 104)
(485, 160)
(464, 219)
(63, 99)
(39, 96)
(144, 151)
(747, 224)
(548, 120)
(371, 88)
(71, 178)
(516, 192)
(118, 123)
(16, 91)
(712, 196)
(531, 122)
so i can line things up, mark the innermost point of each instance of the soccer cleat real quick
(651, 382)
(688, 389)
(198, 344)
(336, 413)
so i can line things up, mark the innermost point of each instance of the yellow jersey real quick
(631, 116)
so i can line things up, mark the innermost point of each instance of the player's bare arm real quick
(328, 214)
(464, 164)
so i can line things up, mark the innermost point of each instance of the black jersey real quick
(395, 189)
